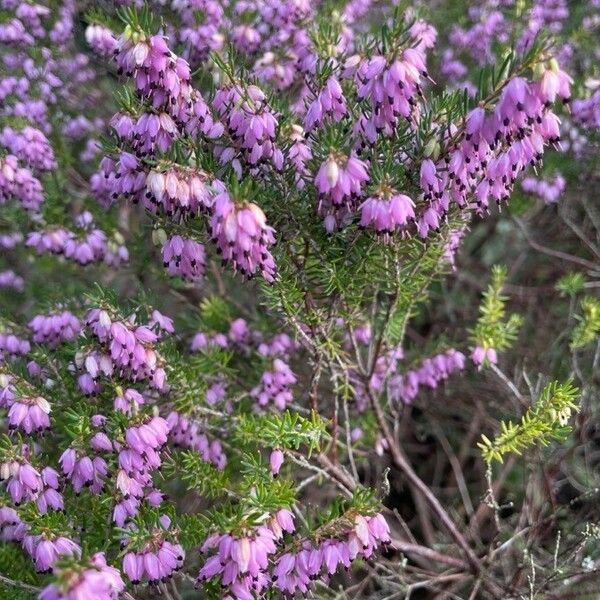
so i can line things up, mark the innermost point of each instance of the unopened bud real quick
(332, 171)
(538, 71)
(429, 148)
(276, 461)
(159, 237)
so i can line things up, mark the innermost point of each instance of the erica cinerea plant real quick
(236, 359)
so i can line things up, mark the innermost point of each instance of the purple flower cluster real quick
(238, 229)
(247, 565)
(274, 386)
(137, 458)
(544, 15)
(46, 550)
(281, 344)
(12, 529)
(330, 103)
(156, 558)
(92, 579)
(10, 240)
(296, 571)
(339, 183)
(176, 192)
(184, 257)
(549, 190)
(241, 337)
(11, 345)
(243, 237)
(83, 471)
(391, 87)
(101, 40)
(387, 211)
(188, 433)
(127, 350)
(151, 132)
(242, 562)
(55, 328)
(157, 73)
(144, 441)
(487, 26)
(80, 126)
(19, 183)
(202, 341)
(163, 78)
(494, 148)
(250, 123)
(484, 356)
(26, 411)
(85, 246)
(587, 111)
(9, 279)
(404, 388)
(26, 483)
(29, 145)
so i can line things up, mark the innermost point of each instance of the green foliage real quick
(195, 473)
(414, 275)
(545, 421)
(571, 284)
(17, 565)
(268, 497)
(494, 329)
(588, 327)
(285, 431)
(138, 21)
(215, 314)
(190, 380)
(16, 593)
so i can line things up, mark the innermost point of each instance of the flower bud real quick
(276, 461)
(159, 237)
(429, 148)
(332, 172)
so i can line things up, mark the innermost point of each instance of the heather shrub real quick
(299, 298)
